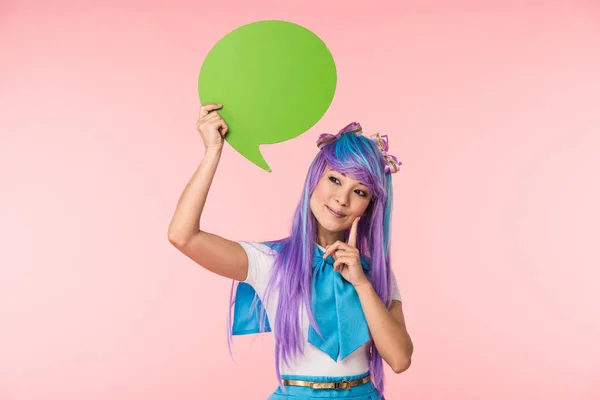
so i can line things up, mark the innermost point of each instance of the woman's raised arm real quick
(214, 253)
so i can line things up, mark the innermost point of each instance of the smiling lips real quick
(336, 214)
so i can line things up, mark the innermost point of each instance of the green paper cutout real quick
(275, 80)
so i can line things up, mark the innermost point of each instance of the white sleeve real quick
(396, 290)
(260, 262)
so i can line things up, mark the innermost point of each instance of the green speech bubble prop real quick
(275, 80)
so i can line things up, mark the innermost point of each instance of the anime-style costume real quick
(336, 363)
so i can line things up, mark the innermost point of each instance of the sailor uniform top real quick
(342, 349)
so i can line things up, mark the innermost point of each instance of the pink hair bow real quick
(392, 163)
(325, 138)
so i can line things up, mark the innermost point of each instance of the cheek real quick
(322, 192)
(317, 196)
(361, 207)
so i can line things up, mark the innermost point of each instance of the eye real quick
(361, 193)
(334, 180)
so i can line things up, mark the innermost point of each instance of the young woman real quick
(327, 291)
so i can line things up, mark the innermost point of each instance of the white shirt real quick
(314, 361)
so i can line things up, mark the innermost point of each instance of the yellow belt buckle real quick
(345, 385)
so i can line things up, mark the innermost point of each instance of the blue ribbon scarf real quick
(335, 304)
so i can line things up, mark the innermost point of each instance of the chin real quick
(329, 225)
(333, 229)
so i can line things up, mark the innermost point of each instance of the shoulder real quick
(261, 258)
(259, 247)
(269, 247)
(259, 254)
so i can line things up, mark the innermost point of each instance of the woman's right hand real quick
(211, 126)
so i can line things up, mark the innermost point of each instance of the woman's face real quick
(337, 201)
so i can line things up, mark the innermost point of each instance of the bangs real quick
(358, 157)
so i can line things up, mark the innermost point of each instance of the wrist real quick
(363, 287)
(213, 151)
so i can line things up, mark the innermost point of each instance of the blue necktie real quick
(337, 311)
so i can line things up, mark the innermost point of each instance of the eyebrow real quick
(331, 170)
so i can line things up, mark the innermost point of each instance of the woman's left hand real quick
(347, 258)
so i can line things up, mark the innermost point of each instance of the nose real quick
(342, 198)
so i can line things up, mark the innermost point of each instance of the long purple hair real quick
(359, 157)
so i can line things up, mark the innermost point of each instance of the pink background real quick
(493, 107)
